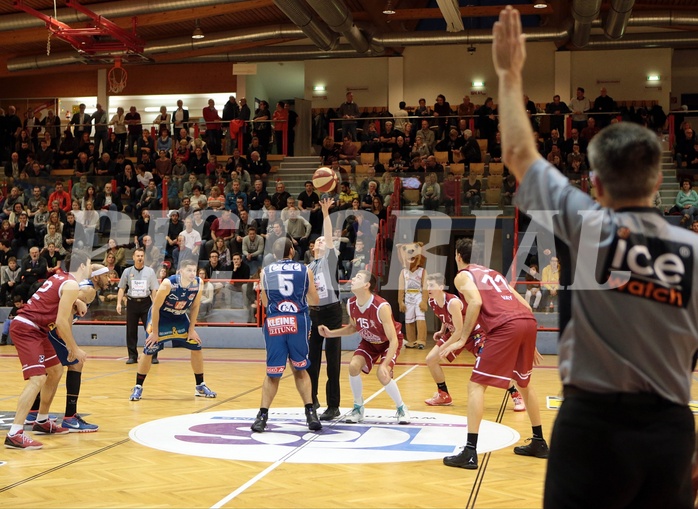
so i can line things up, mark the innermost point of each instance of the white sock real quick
(394, 393)
(15, 428)
(357, 389)
(41, 417)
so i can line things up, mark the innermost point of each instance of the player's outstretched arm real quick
(64, 320)
(347, 330)
(327, 223)
(509, 55)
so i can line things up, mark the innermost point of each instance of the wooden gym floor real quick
(108, 469)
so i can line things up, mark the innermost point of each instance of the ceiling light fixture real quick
(198, 33)
(451, 13)
(539, 4)
(389, 11)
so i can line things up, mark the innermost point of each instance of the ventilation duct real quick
(177, 44)
(655, 40)
(277, 54)
(109, 10)
(584, 12)
(617, 19)
(338, 17)
(471, 37)
(302, 17)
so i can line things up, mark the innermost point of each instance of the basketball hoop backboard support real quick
(84, 39)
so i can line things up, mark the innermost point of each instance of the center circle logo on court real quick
(379, 439)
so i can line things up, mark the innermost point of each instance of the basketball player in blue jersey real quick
(168, 321)
(287, 289)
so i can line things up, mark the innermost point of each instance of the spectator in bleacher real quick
(531, 111)
(17, 210)
(576, 155)
(388, 137)
(258, 168)
(256, 146)
(348, 153)
(494, 148)
(213, 127)
(575, 139)
(397, 163)
(62, 196)
(422, 109)
(150, 199)
(52, 257)
(684, 146)
(328, 151)
(432, 165)
(431, 193)
(427, 135)
(348, 111)
(555, 158)
(216, 200)
(603, 104)
(127, 186)
(10, 276)
(280, 118)
(262, 128)
(466, 108)
(408, 135)
(235, 193)
(79, 188)
(554, 141)
(557, 111)
(174, 228)
(188, 187)
(420, 149)
(379, 209)
(508, 190)
(590, 130)
(452, 145)
(24, 235)
(298, 229)
(449, 189)
(198, 162)
(223, 227)
(469, 152)
(278, 199)
(686, 202)
(533, 294)
(400, 118)
(471, 191)
(183, 151)
(255, 200)
(579, 106)
(165, 143)
(487, 119)
(253, 249)
(240, 270)
(371, 142)
(550, 284)
(371, 193)
(163, 166)
(442, 110)
(41, 218)
(105, 167)
(34, 270)
(45, 156)
(347, 195)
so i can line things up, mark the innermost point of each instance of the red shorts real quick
(475, 341)
(507, 354)
(374, 353)
(34, 349)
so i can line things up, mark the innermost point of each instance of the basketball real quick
(325, 180)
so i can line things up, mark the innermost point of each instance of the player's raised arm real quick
(509, 55)
(64, 320)
(327, 222)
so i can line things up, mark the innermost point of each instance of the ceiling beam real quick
(147, 20)
(466, 12)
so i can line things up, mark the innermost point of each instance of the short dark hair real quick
(626, 158)
(282, 248)
(76, 258)
(402, 104)
(464, 247)
(580, 89)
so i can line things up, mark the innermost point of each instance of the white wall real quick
(368, 77)
(629, 68)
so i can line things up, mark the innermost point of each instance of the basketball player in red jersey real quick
(509, 353)
(381, 341)
(53, 303)
(450, 310)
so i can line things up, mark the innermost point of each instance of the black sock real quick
(199, 378)
(37, 403)
(442, 387)
(72, 385)
(512, 389)
(140, 379)
(308, 408)
(472, 441)
(263, 411)
(537, 432)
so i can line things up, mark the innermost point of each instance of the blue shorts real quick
(60, 347)
(286, 337)
(173, 328)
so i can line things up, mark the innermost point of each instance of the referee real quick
(139, 283)
(328, 312)
(624, 434)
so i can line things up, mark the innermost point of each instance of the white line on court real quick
(281, 461)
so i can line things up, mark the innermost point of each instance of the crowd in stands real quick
(225, 204)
